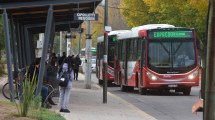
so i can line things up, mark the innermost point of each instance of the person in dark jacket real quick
(33, 71)
(77, 62)
(62, 59)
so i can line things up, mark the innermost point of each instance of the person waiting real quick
(65, 91)
(33, 72)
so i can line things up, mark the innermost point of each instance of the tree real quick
(209, 108)
(136, 13)
(183, 13)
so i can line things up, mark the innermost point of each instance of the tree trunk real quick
(209, 108)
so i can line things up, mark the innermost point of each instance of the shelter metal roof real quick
(34, 12)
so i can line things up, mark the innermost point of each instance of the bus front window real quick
(171, 55)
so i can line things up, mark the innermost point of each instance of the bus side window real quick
(135, 49)
(120, 45)
(138, 48)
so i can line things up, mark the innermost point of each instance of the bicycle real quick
(53, 92)
(6, 89)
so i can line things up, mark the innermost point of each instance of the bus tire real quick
(130, 88)
(100, 82)
(187, 91)
(123, 88)
(142, 91)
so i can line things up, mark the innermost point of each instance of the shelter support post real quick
(19, 49)
(23, 45)
(51, 41)
(45, 48)
(28, 50)
(13, 41)
(8, 52)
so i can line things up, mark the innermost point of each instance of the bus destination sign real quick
(112, 38)
(171, 34)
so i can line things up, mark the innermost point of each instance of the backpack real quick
(64, 79)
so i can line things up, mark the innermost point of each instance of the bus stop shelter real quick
(24, 18)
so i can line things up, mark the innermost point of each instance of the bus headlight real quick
(193, 75)
(152, 77)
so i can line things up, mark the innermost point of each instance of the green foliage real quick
(39, 114)
(44, 114)
(182, 13)
(27, 99)
(136, 13)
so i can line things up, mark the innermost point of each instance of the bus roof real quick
(116, 32)
(134, 32)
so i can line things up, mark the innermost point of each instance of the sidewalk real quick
(86, 104)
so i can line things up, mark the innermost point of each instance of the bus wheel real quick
(123, 88)
(100, 81)
(130, 88)
(187, 91)
(142, 91)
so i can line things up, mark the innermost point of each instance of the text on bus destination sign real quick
(172, 34)
(85, 16)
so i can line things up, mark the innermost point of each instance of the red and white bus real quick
(100, 54)
(157, 56)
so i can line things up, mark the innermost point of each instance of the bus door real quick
(98, 61)
(116, 64)
(123, 63)
(126, 62)
(141, 53)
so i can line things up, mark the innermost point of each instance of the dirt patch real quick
(9, 112)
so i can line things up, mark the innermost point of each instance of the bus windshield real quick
(172, 56)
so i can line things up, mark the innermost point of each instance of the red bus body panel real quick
(100, 72)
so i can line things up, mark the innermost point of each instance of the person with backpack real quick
(65, 77)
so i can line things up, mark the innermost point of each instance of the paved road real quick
(162, 106)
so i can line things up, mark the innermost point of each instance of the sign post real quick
(106, 52)
(88, 17)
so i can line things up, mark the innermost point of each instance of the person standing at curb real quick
(65, 91)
